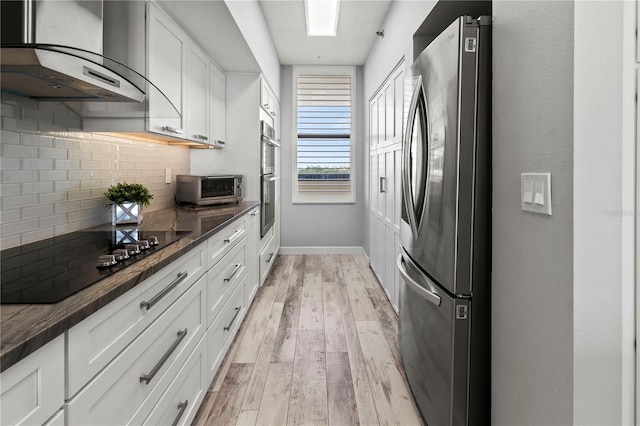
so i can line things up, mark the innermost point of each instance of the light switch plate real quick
(167, 175)
(540, 201)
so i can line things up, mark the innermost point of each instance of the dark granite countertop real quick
(25, 328)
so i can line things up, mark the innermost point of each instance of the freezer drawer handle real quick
(431, 297)
(148, 377)
(147, 305)
(181, 407)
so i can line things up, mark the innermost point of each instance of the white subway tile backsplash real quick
(52, 198)
(69, 206)
(9, 163)
(19, 151)
(14, 202)
(38, 211)
(10, 215)
(37, 164)
(9, 189)
(55, 153)
(37, 140)
(37, 235)
(19, 176)
(20, 227)
(37, 187)
(9, 241)
(53, 177)
(53, 220)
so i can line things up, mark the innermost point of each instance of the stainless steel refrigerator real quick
(445, 290)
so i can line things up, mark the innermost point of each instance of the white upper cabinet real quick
(197, 112)
(166, 63)
(216, 103)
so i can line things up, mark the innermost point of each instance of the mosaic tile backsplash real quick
(53, 176)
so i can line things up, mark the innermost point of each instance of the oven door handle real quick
(270, 141)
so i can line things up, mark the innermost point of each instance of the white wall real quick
(320, 224)
(603, 213)
(250, 19)
(532, 265)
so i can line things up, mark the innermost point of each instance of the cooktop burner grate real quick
(48, 271)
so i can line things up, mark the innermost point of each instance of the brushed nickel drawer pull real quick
(235, 270)
(201, 137)
(181, 407)
(172, 130)
(233, 236)
(167, 289)
(237, 308)
(148, 377)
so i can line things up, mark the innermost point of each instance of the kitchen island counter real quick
(24, 328)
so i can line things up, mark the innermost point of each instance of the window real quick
(324, 161)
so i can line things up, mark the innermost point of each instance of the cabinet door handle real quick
(201, 137)
(235, 270)
(383, 184)
(148, 377)
(172, 130)
(255, 212)
(167, 289)
(273, 114)
(270, 257)
(233, 236)
(228, 327)
(181, 407)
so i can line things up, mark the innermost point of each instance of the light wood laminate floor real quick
(318, 346)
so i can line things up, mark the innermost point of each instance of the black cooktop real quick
(50, 270)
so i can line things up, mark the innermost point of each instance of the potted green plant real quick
(126, 201)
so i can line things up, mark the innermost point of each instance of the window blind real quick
(324, 133)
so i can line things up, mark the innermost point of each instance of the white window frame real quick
(325, 197)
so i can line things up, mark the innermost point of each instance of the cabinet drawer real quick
(95, 341)
(225, 239)
(224, 328)
(223, 278)
(179, 405)
(267, 257)
(138, 377)
(33, 389)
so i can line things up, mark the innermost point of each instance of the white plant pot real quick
(128, 212)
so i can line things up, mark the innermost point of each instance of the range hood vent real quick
(53, 50)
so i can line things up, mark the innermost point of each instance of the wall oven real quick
(268, 147)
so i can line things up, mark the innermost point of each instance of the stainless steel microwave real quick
(207, 190)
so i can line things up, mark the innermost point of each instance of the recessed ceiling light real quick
(322, 17)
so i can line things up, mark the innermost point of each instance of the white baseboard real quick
(324, 250)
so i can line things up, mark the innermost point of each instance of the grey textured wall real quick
(320, 224)
(532, 321)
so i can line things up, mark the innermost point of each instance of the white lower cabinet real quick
(267, 257)
(223, 278)
(224, 328)
(33, 389)
(129, 387)
(179, 404)
(149, 356)
(95, 341)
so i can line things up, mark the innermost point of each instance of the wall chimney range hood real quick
(53, 50)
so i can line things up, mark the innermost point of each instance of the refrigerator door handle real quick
(426, 294)
(406, 153)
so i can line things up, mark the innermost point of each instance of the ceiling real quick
(358, 22)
